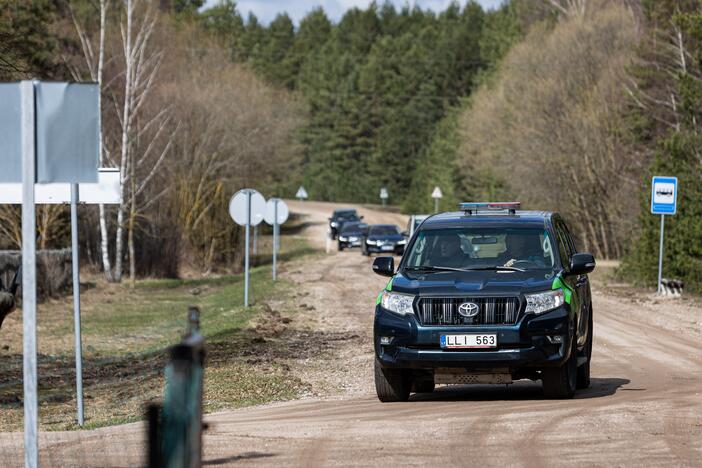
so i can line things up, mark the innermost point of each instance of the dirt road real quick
(644, 407)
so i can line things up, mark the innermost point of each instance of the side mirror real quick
(384, 266)
(581, 264)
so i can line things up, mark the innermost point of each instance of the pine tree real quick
(270, 56)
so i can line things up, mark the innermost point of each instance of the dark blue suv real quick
(487, 295)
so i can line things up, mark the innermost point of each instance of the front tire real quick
(561, 382)
(584, 370)
(392, 385)
(341, 247)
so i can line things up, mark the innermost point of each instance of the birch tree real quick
(145, 139)
(141, 145)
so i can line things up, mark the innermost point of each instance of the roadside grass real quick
(126, 336)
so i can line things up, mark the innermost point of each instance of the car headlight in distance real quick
(543, 302)
(334, 224)
(371, 242)
(343, 238)
(399, 303)
(402, 242)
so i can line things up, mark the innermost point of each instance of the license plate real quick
(387, 247)
(469, 341)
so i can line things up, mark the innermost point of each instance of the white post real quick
(246, 255)
(29, 279)
(436, 205)
(660, 257)
(275, 237)
(255, 237)
(76, 301)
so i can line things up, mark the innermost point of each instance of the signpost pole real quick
(246, 255)
(275, 238)
(29, 265)
(660, 255)
(436, 205)
(76, 300)
(255, 237)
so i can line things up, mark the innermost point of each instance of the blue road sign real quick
(664, 195)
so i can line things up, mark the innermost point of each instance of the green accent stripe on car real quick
(567, 291)
(388, 287)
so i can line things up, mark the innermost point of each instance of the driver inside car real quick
(447, 252)
(520, 248)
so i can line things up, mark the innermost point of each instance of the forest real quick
(568, 105)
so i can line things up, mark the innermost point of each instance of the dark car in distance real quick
(352, 234)
(341, 216)
(384, 238)
(485, 295)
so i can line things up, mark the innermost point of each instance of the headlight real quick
(543, 302)
(402, 242)
(398, 303)
(334, 224)
(343, 238)
(371, 242)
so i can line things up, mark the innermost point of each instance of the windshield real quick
(384, 231)
(482, 248)
(345, 214)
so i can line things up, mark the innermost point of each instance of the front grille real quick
(491, 310)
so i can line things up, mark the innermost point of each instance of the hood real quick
(473, 282)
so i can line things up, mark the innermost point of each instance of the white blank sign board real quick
(239, 205)
(67, 132)
(282, 211)
(106, 191)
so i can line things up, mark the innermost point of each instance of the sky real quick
(266, 10)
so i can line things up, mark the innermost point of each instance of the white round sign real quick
(239, 204)
(283, 211)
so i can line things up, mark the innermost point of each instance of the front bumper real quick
(522, 345)
(350, 242)
(398, 249)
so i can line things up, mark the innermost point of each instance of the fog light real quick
(385, 340)
(555, 339)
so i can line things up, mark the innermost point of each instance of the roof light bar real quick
(473, 207)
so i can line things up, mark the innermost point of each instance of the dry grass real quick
(126, 335)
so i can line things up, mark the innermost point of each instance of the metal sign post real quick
(247, 208)
(664, 195)
(384, 195)
(276, 214)
(246, 260)
(255, 238)
(76, 301)
(29, 276)
(436, 195)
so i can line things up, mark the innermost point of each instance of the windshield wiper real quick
(432, 268)
(443, 268)
(496, 268)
